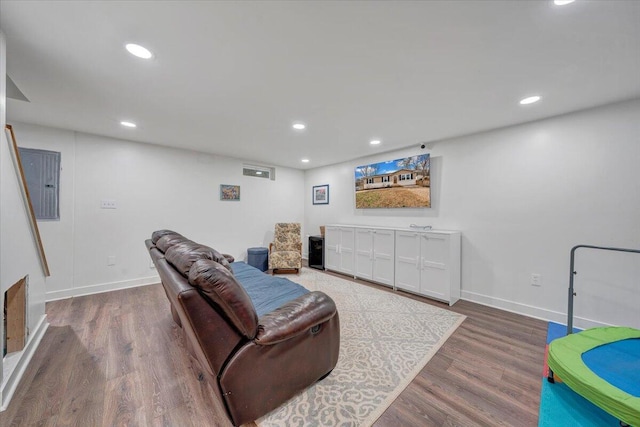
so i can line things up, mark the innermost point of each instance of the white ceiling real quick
(231, 77)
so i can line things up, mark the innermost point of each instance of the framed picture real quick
(320, 194)
(399, 183)
(229, 192)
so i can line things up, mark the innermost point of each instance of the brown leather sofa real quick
(253, 364)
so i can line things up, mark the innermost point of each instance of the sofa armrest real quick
(149, 244)
(294, 318)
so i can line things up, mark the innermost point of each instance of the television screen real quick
(401, 183)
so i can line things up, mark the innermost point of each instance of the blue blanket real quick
(266, 292)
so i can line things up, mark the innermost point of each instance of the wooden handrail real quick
(13, 147)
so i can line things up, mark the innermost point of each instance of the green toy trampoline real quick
(603, 366)
(600, 364)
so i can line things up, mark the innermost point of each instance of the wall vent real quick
(259, 172)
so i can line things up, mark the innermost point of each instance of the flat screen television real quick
(400, 183)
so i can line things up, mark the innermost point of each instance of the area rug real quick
(561, 406)
(386, 339)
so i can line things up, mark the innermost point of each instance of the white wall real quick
(522, 197)
(18, 253)
(154, 187)
(3, 115)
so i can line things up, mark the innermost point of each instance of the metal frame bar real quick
(572, 273)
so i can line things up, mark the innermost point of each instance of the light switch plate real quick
(107, 204)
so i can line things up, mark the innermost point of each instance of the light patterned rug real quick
(386, 339)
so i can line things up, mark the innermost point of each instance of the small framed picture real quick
(229, 192)
(320, 194)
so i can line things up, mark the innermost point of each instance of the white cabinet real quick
(428, 263)
(374, 249)
(408, 261)
(423, 262)
(339, 249)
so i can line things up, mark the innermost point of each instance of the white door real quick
(434, 281)
(407, 261)
(332, 248)
(347, 251)
(364, 253)
(383, 260)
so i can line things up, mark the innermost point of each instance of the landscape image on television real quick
(401, 183)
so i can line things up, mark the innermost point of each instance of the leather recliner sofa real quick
(253, 364)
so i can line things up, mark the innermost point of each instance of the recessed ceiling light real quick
(530, 100)
(139, 51)
(562, 2)
(305, 160)
(299, 126)
(374, 142)
(128, 124)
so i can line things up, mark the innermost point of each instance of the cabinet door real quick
(407, 261)
(331, 248)
(383, 259)
(364, 253)
(434, 280)
(347, 250)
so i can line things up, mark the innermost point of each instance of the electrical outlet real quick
(536, 279)
(111, 260)
(151, 264)
(107, 204)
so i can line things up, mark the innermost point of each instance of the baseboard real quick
(529, 310)
(102, 287)
(10, 383)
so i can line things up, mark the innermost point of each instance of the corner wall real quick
(154, 187)
(522, 197)
(18, 254)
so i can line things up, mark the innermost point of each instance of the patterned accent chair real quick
(285, 252)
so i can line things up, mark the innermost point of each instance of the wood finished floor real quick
(118, 359)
